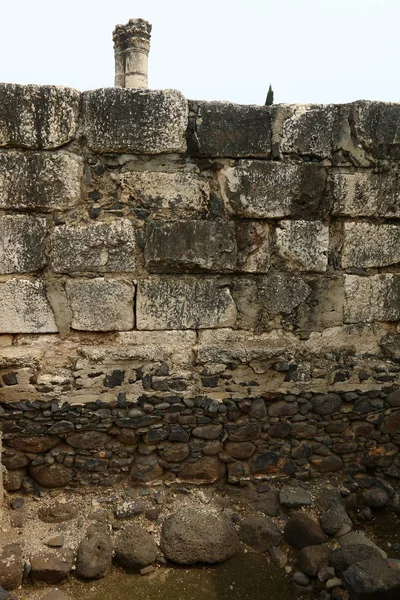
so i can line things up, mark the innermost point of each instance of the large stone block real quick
(37, 117)
(365, 194)
(184, 303)
(324, 306)
(267, 189)
(220, 129)
(24, 308)
(189, 245)
(280, 293)
(101, 304)
(303, 245)
(370, 245)
(22, 248)
(135, 121)
(375, 126)
(38, 180)
(176, 194)
(369, 299)
(100, 247)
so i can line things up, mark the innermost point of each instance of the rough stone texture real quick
(175, 303)
(344, 557)
(294, 497)
(190, 245)
(369, 245)
(100, 247)
(311, 558)
(267, 190)
(199, 536)
(177, 194)
(135, 548)
(374, 298)
(376, 128)
(24, 308)
(373, 578)
(33, 116)
(94, 556)
(22, 247)
(11, 569)
(101, 304)
(51, 566)
(259, 533)
(301, 531)
(52, 476)
(365, 194)
(303, 244)
(146, 468)
(12, 480)
(307, 129)
(219, 129)
(136, 121)
(205, 470)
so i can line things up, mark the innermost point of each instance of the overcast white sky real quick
(311, 50)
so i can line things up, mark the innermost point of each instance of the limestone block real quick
(303, 244)
(39, 180)
(100, 247)
(184, 303)
(267, 189)
(306, 129)
(324, 306)
(37, 116)
(253, 241)
(178, 194)
(230, 130)
(136, 121)
(22, 248)
(180, 245)
(24, 308)
(280, 293)
(369, 299)
(369, 245)
(375, 126)
(101, 304)
(365, 194)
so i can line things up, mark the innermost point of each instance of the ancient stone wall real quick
(196, 290)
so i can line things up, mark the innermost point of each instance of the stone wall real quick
(196, 289)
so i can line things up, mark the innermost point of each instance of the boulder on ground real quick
(192, 536)
(259, 533)
(94, 556)
(373, 578)
(375, 497)
(345, 556)
(334, 518)
(311, 558)
(135, 548)
(301, 531)
(359, 537)
(294, 497)
(11, 567)
(51, 566)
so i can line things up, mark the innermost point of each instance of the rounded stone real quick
(12, 480)
(301, 531)
(174, 452)
(94, 556)
(15, 459)
(86, 440)
(207, 432)
(311, 558)
(375, 497)
(34, 443)
(326, 404)
(52, 476)
(240, 450)
(259, 533)
(192, 536)
(207, 469)
(146, 468)
(135, 548)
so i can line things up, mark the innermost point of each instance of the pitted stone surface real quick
(266, 189)
(190, 245)
(308, 129)
(101, 304)
(24, 308)
(33, 116)
(34, 180)
(136, 121)
(183, 303)
(374, 298)
(369, 245)
(100, 247)
(22, 248)
(303, 244)
(227, 129)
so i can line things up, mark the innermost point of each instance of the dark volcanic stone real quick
(94, 556)
(135, 548)
(86, 440)
(246, 433)
(12, 480)
(311, 558)
(207, 469)
(11, 567)
(52, 476)
(259, 533)
(294, 497)
(51, 566)
(265, 463)
(240, 450)
(34, 443)
(197, 536)
(341, 558)
(146, 468)
(375, 497)
(373, 578)
(207, 432)
(301, 531)
(15, 459)
(326, 404)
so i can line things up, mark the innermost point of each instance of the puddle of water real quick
(245, 577)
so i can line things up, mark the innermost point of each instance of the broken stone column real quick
(131, 50)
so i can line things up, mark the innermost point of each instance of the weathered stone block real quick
(181, 245)
(33, 116)
(376, 127)
(22, 248)
(369, 299)
(100, 247)
(176, 194)
(24, 308)
(370, 245)
(324, 306)
(253, 242)
(306, 129)
(267, 189)
(303, 244)
(365, 194)
(177, 303)
(136, 121)
(101, 304)
(226, 129)
(281, 293)
(38, 180)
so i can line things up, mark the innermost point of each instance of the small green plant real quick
(270, 96)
